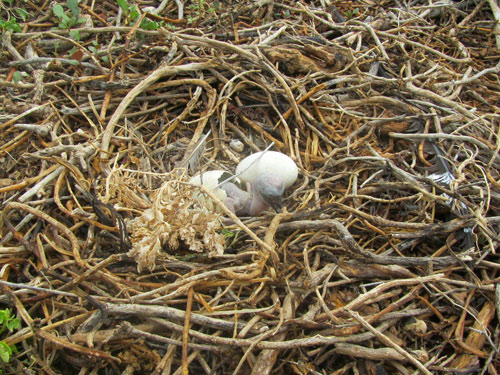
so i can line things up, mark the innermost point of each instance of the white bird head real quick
(268, 173)
(269, 187)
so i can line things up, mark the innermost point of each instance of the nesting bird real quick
(266, 174)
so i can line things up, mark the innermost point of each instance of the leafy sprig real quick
(10, 16)
(9, 322)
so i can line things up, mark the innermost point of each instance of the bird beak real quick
(275, 202)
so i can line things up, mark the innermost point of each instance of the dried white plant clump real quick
(177, 214)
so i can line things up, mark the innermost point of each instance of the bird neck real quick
(257, 205)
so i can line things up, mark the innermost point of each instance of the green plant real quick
(12, 16)
(132, 15)
(230, 236)
(350, 14)
(17, 76)
(124, 5)
(70, 17)
(151, 25)
(7, 322)
(199, 8)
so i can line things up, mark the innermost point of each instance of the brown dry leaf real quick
(176, 216)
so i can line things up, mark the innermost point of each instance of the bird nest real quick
(384, 258)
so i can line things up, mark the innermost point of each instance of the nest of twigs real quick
(384, 259)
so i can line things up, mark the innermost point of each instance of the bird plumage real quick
(273, 162)
(266, 174)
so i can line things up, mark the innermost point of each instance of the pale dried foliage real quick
(125, 189)
(176, 217)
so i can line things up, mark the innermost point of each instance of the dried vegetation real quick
(385, 260)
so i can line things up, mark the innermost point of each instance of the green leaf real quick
(149, 25)
(124, 5)
(75, 34)
(14, 323)
(17, 77)
(58, 11)
(74, 62)
(170, 26)
(4, 315)
(5, 351)
(228, 234)
(73, 7)
(22, 13)
(134, 14)
(11, 25)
